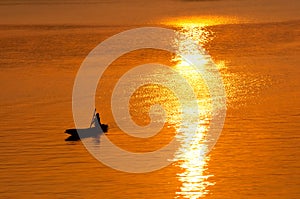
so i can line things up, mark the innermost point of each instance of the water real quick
(256, 156)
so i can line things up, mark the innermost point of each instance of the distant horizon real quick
(142, 12)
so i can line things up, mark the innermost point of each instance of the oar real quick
(93, 118)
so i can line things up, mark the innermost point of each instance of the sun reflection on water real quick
(190, 157)
(200, 21)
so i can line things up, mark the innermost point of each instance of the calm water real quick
(256, 156)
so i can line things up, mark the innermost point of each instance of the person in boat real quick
(96, 120)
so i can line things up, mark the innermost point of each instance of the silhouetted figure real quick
(88, 132)
(96, 121)
(98, 118)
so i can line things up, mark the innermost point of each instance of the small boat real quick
(98, 129)
(86, 133)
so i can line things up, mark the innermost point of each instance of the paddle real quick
(93, 118)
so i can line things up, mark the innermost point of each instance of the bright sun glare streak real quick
(199, 21)
(191, 155)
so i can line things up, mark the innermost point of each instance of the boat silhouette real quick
(94, 132)
(77, 134)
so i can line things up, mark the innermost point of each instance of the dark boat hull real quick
(85, 133)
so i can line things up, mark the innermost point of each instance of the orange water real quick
(256, 156)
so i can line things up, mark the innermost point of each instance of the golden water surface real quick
(256, 155)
